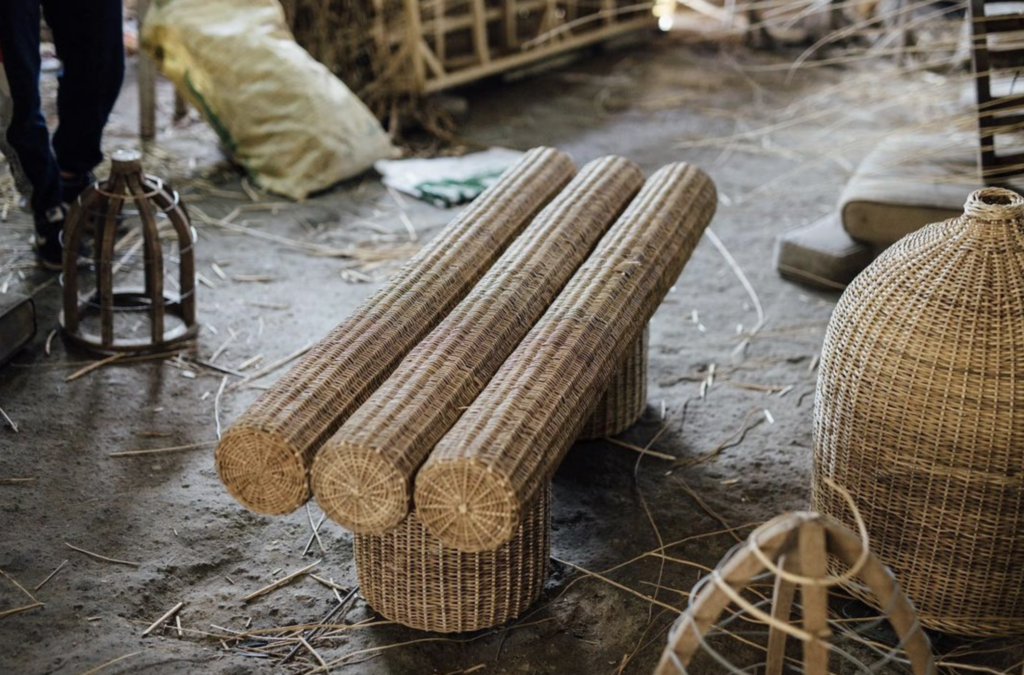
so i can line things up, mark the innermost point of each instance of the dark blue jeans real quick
(89, 41)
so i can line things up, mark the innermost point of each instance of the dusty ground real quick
(656, 104)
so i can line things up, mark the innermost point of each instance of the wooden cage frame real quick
(503, 35)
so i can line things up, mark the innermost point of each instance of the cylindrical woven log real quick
(264, 458)
(919, 413)
(626, 398)
(412, 578)
(362, 477)
(472, 490)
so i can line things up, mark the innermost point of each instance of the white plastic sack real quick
(293, 125)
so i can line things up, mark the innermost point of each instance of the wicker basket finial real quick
(994, 203)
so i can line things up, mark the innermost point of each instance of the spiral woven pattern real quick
(264, 458)
(412, 578)
(626, 398)
(472, 491)
(920, 415)
(362, 477)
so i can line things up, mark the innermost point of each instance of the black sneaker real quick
(49, 250)
(71, 188)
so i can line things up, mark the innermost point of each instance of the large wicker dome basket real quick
(920, 414)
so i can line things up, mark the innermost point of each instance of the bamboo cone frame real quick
(472, 491)
(410, 577)
(797, 545)
(102, 206)
(264, 458)
(362, 477)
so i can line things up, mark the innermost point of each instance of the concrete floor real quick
(663, 102)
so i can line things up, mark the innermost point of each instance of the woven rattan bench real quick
(474, 552)
(437, 448)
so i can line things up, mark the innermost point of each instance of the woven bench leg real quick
(626, 398)
(410, 577)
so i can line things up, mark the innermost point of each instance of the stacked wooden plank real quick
(444, 471)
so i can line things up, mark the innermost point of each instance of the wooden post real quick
(180, 107)
(147, 85)
(413, 34)
(483, 52)
(608, 7)
(154, 257)
(782, 610)
(440, 37)
(814, 564)
(511, 25)
(379, 33)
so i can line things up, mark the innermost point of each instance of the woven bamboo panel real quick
(362, 477)
(412, 578)
(472, 490)
(920, 414)
(264, 458)
(626, 398)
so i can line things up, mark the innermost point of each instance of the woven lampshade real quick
(412, 578)
(264, 458)
(362, 477)
(473, 489)
(920, 414)
(626, 398)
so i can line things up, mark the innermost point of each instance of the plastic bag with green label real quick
(293, 125)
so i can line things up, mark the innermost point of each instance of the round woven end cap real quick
(466, 505)
(359, 489)
(264, 473)
(994, 204)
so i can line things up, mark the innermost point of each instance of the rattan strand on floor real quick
(920, 415)
(263, 459)
(472, 490)
(626, 398)
(412, 578)
(362, 476)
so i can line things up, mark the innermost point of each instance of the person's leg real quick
(90, 43)
(27, 134)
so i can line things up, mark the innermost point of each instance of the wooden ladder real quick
(997, 115)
